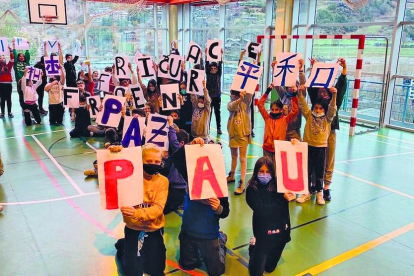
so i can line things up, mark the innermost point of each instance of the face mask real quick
(183, 91)
(318, 115)
(275, 115)
(151, 168)
(200, 105)
(264, 179)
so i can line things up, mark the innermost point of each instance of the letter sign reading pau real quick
(206, 171)
(121, 67)
(120, 178)
(169, 95)
(111, 112)
(291, 167)
(214, 50)
(94, 103)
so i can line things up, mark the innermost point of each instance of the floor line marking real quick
(357, 251)
(88, 144)
(47, 200)
(75, 186)
(375, 184)
(391, 138)
(374, 157)
(383, 142)
(26, 135)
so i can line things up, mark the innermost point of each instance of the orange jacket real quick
(275, 129)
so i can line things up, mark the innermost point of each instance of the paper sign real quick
(214, 48)
(157, 130)
(52, 46)
(133, 131)
(120, 91)
(70, 97)
(253, 49)
(121, 67)
(286, 70)
(195, 81)
(120, 178)
(94, 103)
(145, 66)
(111, 112)
(174, 71)
(194, 53)
(169, 95)
(104, 80)
(33, 74)
(138, 95)
(291, 167)
(206, 171)
(247, 77)
(4, 47)
(21, 43)
(323, 75)
(52, 66)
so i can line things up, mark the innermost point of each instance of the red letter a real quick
(200, 175)
(293, 185)
(111, 180)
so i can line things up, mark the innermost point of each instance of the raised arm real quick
(261, 103)
(90, 73)
(24, 80)
(303, 104)
(234, 105)
(207, 99)
(295, 109)
(60, 53)
(75, 60)
(27, 56)
(45, 50)
(332, 105)
(39, 82)
(62, 75)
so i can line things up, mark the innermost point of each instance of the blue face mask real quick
(264, 179)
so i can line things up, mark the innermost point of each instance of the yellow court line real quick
(376, 185)
(357, 251)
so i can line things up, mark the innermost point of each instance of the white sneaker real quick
(303, 198)
(319, 198)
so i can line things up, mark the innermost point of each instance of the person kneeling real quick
(143, 250)
(30, 97)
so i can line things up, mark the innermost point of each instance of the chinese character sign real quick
(247, 77)
(286, 70)
(33, 74)
(21, 43)
(52, 65)
(323, 75)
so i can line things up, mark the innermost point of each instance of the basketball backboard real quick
(38, 9)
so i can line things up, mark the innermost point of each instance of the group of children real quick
(165, 174)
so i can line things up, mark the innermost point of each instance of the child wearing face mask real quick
(271, 219)
(317, 129)
(6, 83)
(55, 91)
(239, 129)
(276, 122)
(143, 249)
(201, 115)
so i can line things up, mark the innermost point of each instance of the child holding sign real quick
(317, 129)
(271, 219)
(201, 114)
(30, 97)
(55, 90)
(144, 223)
(6, 83)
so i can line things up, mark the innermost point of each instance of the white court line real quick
(391, 138)
(378, 141)
(46, 200)
(375, 185)
(373, 157)
(92, 147)
(26, 135)
(59, 166)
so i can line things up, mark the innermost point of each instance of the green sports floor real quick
(52, 223)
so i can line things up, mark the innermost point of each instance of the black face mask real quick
(152, 169)
(275, 115)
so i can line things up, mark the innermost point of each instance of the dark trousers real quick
(264, 258)
(6, 92)
(252, 112)
(27, 118)
(174, 200)
(212, 252)
(316, 165)
(56, 113)
(41, 92)
(215, 105)
(152, 254)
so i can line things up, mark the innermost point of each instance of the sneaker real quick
(90, 172)
(253, 135)
(1, 115)
(303, 198)
(223, 237)
(230, 178)
(327, 194)
(219, 131)
(43, 112)
(240, 189)
(11, 115)
(319, 198)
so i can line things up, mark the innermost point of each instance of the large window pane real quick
(245, 14)
(402, 109)
(409, 11)
(201, 36)
(204, 16)
(406, 57)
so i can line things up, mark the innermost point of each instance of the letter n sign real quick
(206, 172)
(120, 178)
(291, 167)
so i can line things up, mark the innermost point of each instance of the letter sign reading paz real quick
(206, 171)
(110, 115)
(291, 167)
(120, 178)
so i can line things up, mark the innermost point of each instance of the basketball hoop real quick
(49, 18)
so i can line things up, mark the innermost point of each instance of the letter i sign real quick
(206, 171)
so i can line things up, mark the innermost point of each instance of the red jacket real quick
(5, 71)
(275, 129)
